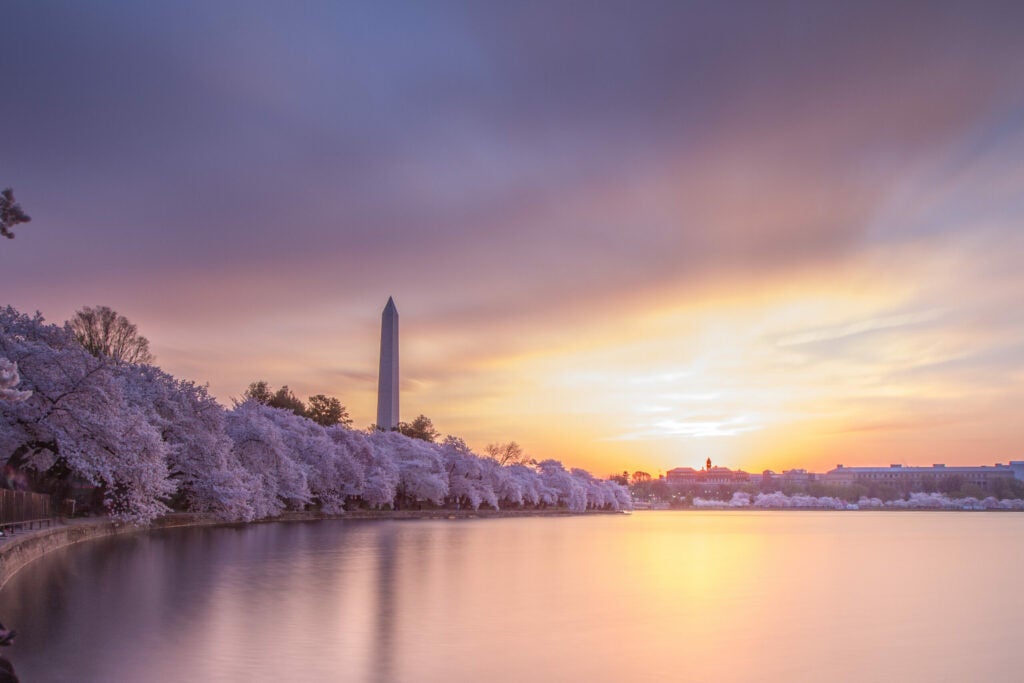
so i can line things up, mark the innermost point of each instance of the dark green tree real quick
(285, 399)
(970, 490)
(10, 213)
(258, 391)
(327, 411)
(420, 428)
(1007, 488)
(950, 484)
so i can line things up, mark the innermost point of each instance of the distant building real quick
(715, 476)
(681, 475)
(1018, 468)
(900, 477)
(920, 478)
(799, 477)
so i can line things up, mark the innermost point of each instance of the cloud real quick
(819, 210)
(858, 328)
(697, 426)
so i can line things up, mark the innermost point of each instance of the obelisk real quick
(387, 383)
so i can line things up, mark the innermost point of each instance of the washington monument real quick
(387, 384)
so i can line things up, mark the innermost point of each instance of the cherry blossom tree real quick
(422, 476)
(9, 380)
(200, 458)
(468, 482)
(331, 473)
(502, 481)
(524, 486)
(280, 482)
(567, 490)
(377, 472)
(77, 420)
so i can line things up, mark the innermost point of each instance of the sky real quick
(630, 236)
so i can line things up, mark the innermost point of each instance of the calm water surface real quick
(653, 596)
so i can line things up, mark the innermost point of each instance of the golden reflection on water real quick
(724, 596)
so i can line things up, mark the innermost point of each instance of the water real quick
(654, 596)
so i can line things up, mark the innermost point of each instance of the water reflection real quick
(655, 596)
(383, 645)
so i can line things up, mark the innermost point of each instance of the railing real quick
(21, 509)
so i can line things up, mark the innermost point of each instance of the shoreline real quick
(20, 550)
(750, 508)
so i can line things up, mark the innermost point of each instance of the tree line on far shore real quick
(87, 415)
(952, 487)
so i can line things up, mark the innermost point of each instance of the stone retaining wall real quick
(20, 549)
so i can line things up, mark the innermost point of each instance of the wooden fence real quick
(24, 509)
